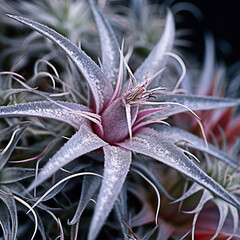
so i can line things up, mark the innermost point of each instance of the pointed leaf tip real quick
(151, 143)
(157, 57)
(116, 166)
(109, 45)
(100, 86)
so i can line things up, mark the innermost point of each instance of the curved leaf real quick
(15, 174)
(12, 208)
(193, 102)
(80, 143)
(100, 86)
(109, 45)
(5, 222)
(6, 153)
(115, 122)
(151, 143)
(204, 199)
(183, 138)
(90, 185)
(209, 65)
(116, 166)
(157, 58)
(148, 172)
(47, 109)
(223, 212)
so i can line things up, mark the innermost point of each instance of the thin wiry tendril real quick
(64, 180)
(155, 189)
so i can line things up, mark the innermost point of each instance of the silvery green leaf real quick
(109, 45)
(203, 200)
(206, 196)
(151, 143)
(184, 138)
(235, 216)
(15, 174)
(157, 58)
(192, 190)
(100, 86)
(116, 166)
(7, 151)
(46, 109)
(223, 212)
(193, 102)
(82, 142)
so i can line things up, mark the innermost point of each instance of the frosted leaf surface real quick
(90, 185)
(184, 138)
(80, 143)
(223, 212)
(12, 211)
(109, 45)
(46, 109)
(193, 102)
(15, 174)
(151, 143)
(7, 151)
(116, 166)
(100, 86)
(157, 58)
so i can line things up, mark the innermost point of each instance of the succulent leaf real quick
(46, 109)
(209, 62)
(116, 167)
(223, 212)
(15, 174)
(193, 102)
(157, 58)
(5, 222)
(114, 121)
(80, 143)
(151, 143)
(192, 190)
(235, 217)
(184, 138)
(109, 45)
(6, 153)
(12, 209)
(100, 86)
(90, 185)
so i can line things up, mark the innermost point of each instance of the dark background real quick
(222, 17)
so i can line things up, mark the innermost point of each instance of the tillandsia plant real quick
(123, 117)
(70, 18)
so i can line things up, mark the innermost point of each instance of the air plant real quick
(123, 117)
(71, 18)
